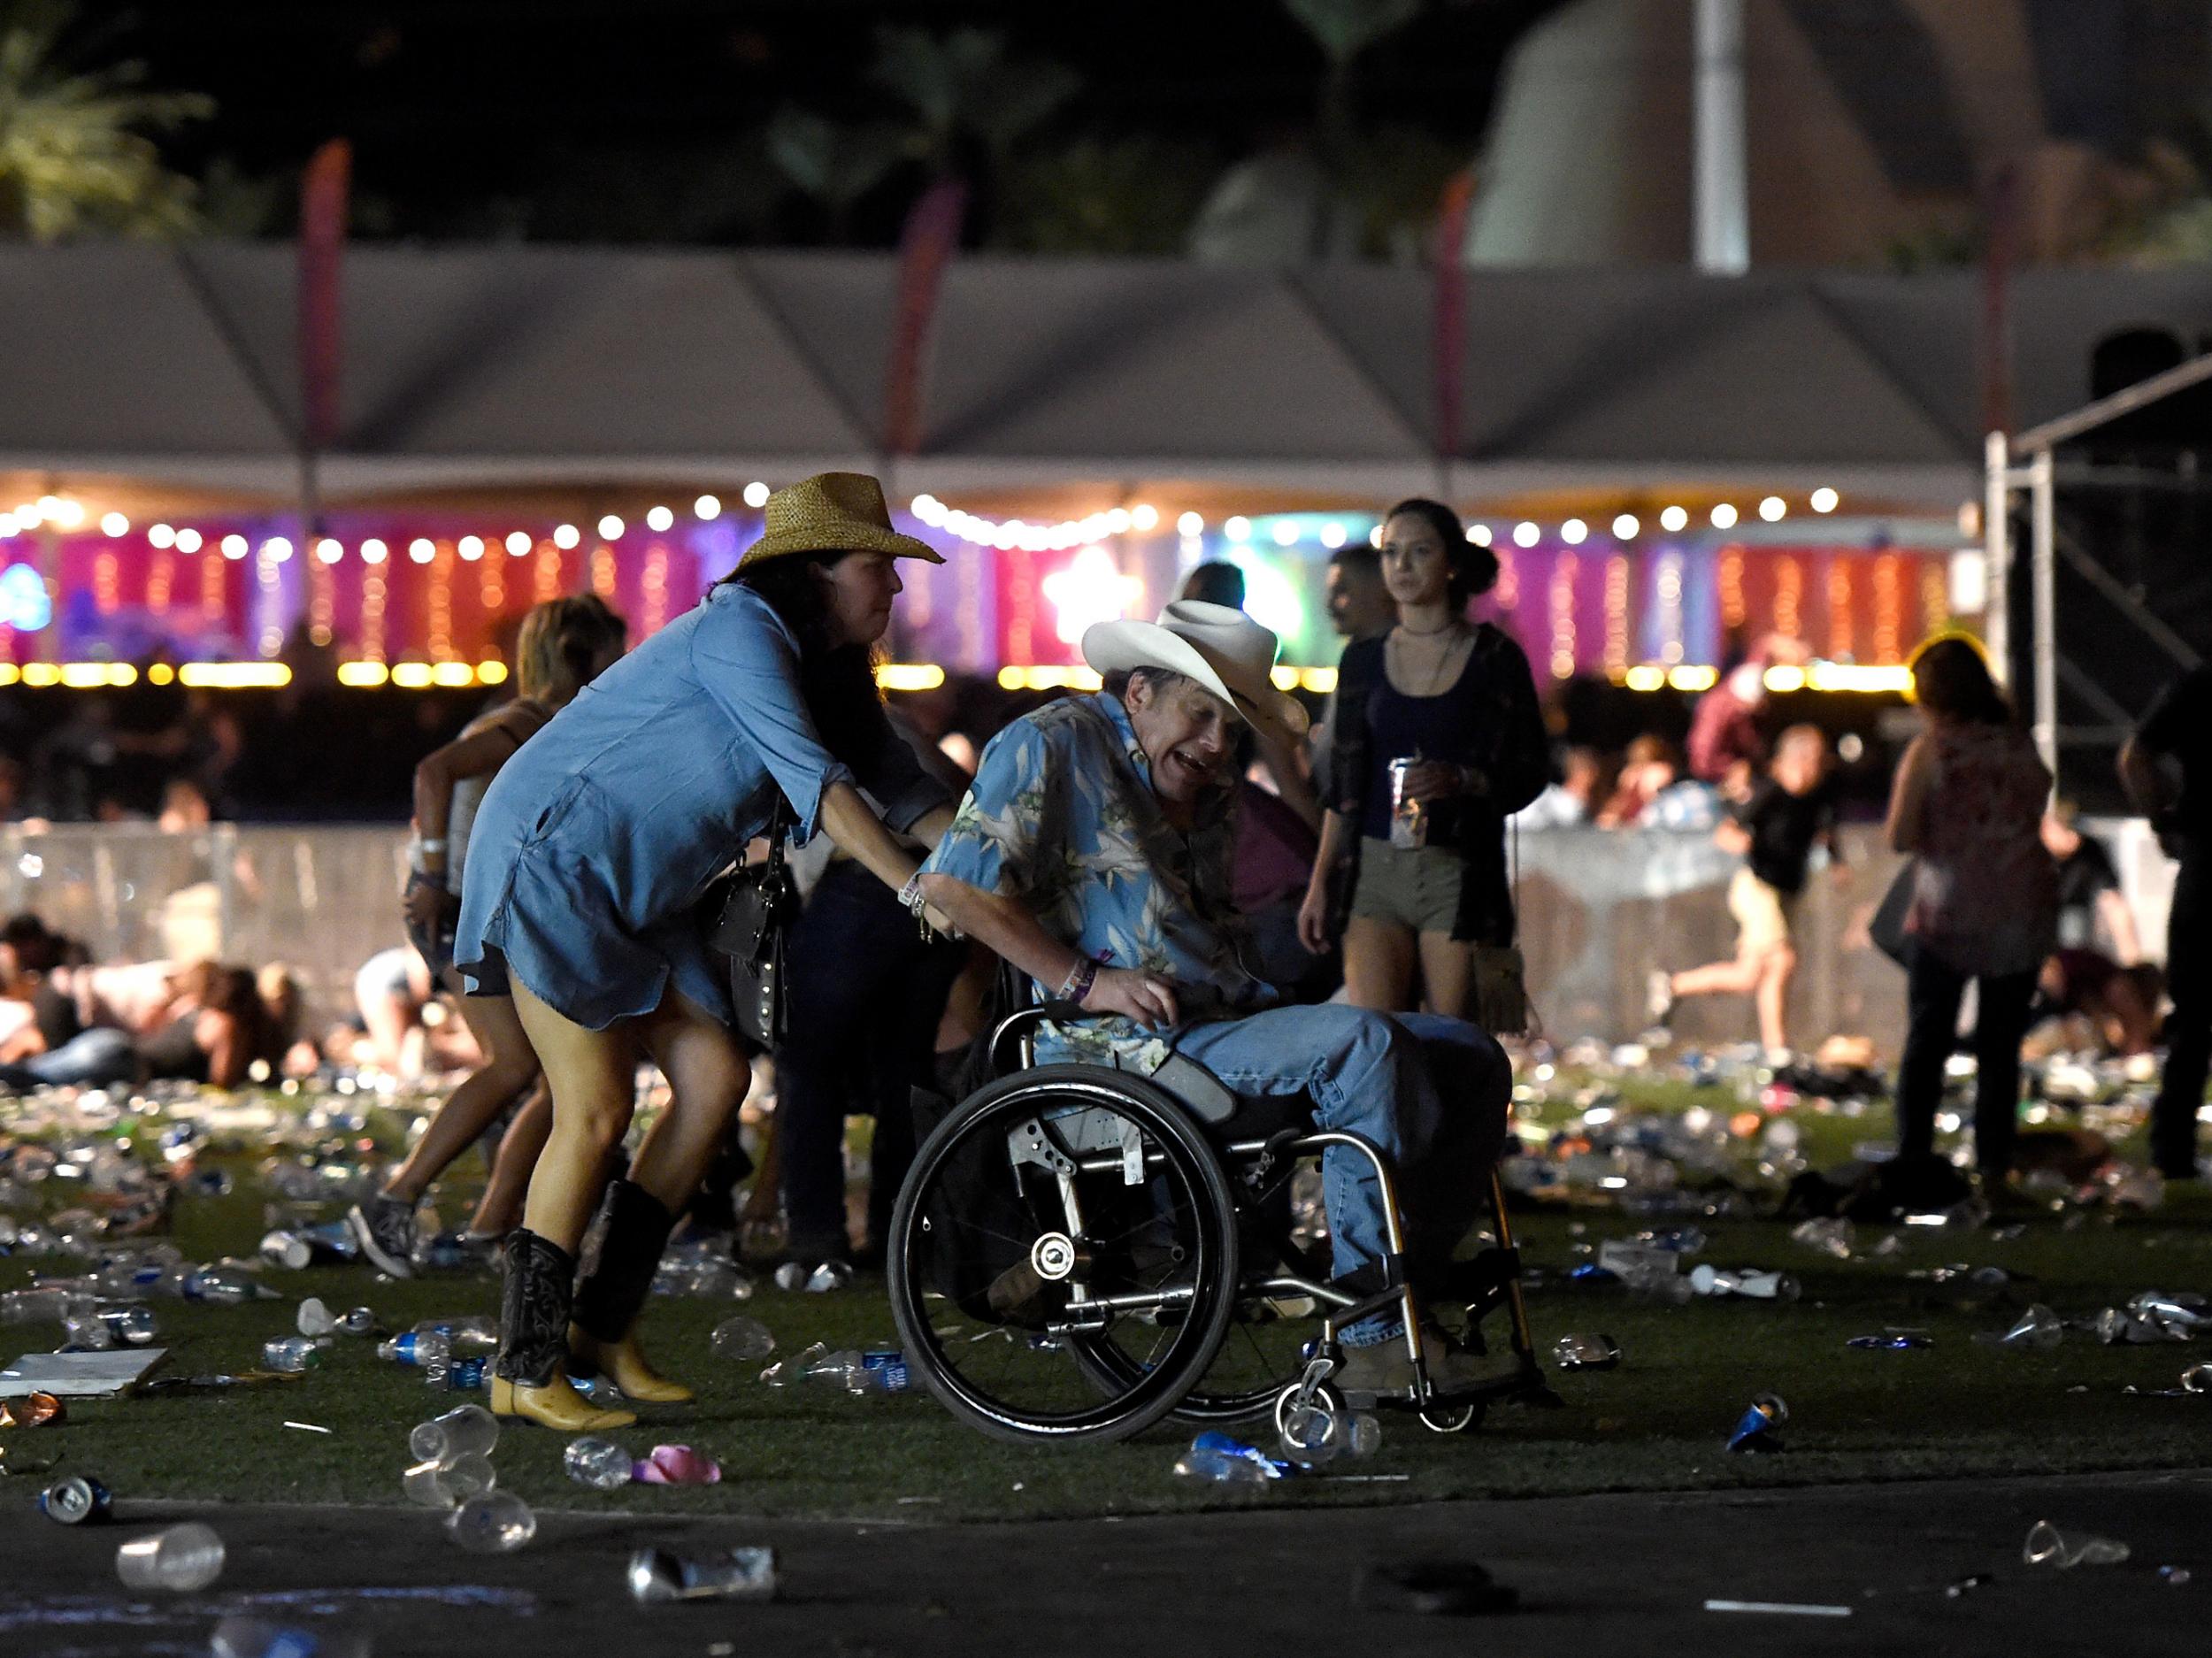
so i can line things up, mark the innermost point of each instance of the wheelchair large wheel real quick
(1063, 1258)
(1262, 1352)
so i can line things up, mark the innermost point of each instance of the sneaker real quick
(386, 1232)
(1387, 1368)
(1659, 997)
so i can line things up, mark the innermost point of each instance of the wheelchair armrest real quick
(1198, 1088)
(1022, 1025)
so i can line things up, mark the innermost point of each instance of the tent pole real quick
(1997, 553)
(2043, 572)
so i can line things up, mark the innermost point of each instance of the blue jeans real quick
(1431, 1093)
(99, 1056)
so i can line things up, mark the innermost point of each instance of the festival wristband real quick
(1077, 986)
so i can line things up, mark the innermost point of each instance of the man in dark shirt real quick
(2167, 770)
(1788, 810)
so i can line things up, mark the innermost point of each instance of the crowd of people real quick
(1189, 864)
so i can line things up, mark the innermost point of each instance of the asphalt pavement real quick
(1593, 1576)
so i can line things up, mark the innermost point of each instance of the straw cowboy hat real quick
(832, 512)
(1224, 650)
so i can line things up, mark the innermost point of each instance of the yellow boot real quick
(555, 1405)
(612, 1293)
(530, 1378)
(623, 1363)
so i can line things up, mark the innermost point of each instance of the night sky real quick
(564, 119)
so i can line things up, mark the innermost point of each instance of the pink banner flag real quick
(1450, 318)
(926, 247)
(323, 196)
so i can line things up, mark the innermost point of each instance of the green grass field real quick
(1656, 1423)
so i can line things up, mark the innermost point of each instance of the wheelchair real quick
(1080, 1252)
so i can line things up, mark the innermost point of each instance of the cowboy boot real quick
(528, 1379)
(602, 1338)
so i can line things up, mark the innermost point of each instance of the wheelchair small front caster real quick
(1452, 1415)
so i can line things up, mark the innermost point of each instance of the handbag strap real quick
(780, 819)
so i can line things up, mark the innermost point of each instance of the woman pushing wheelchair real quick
(1092, 853)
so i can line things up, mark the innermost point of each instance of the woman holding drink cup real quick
(1438, 738)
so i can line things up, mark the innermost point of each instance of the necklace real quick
(1435, 682)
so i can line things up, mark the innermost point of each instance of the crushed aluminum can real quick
(31, 1410)
(1755, 1430)
(78, 1500)
(1408, 817)
(1585, 1353)
(661, 1575)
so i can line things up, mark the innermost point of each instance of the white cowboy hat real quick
(1224, 650)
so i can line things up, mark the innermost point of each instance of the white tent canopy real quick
(517, 365)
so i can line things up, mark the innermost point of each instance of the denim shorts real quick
(1415, 887)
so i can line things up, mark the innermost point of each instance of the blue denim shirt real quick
(1062, 817)
(595, 842)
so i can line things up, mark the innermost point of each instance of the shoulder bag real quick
(751, 914)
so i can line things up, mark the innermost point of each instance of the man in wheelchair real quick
(1092, 853)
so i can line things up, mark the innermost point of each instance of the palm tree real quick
(75, 157)
(834, 165)
(967, 86)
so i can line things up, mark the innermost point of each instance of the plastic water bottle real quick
(258, 1638)
(465, 1431)
(316, 1319)
(413, 1348)
(492, 1522)
(181, 1559)
(737, 1574)
(1219, 1468)
(1749, 1283)
(462, 1331)
(882, 1370)
(600, 1464)
(461, 1376)
(290, 1355)
(130, 1326)
(221, 1287)
(797, 1368)
(743, 1340)
(46, 1306)
(286, 1249)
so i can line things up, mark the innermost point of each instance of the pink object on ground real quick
(677, 1465)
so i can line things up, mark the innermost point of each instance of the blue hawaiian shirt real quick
(1062, 817)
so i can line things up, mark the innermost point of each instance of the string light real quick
(329, 551)
(1724, 517)
(114, 524)
(1674, 519)
(421, 550)
(1286, 533)
(1574, 532)
(519, 542)
(1772, 508)
(1332, 536)
(161, 535)
(756, 494)
(707, 508)
(1625, 527)
(190, 541)
(373, 551)
(1238, 529)
(471, 548)
(1480, 534)
(276, 549)
(610, 528)
(1526, 534)
(1191, 524)
(566, 536)
(1825, 500)
(234, 546)
(659, 518)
